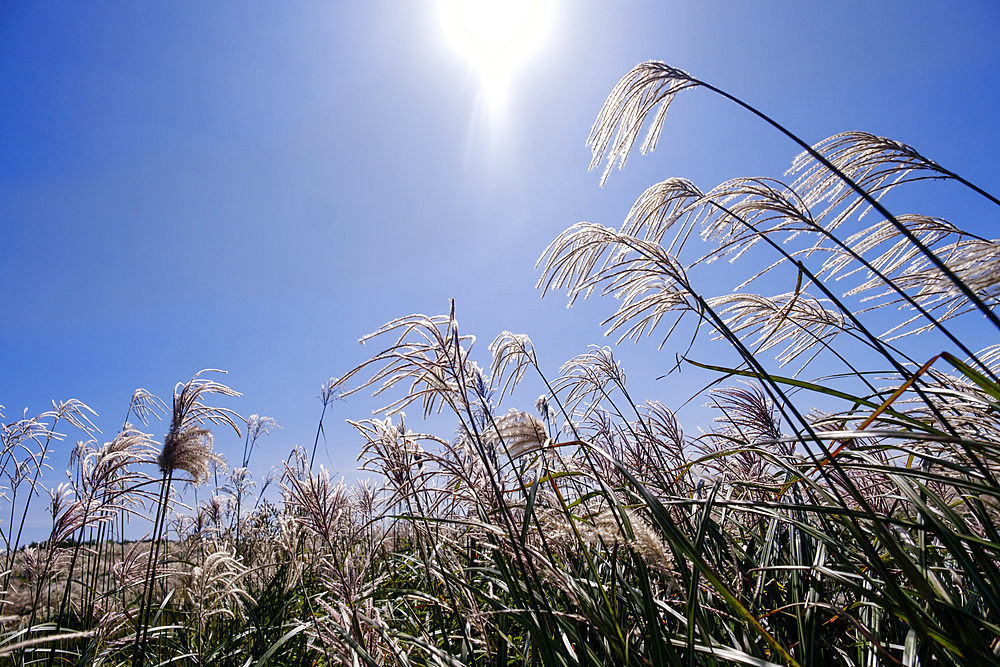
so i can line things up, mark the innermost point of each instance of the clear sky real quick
(253, 186)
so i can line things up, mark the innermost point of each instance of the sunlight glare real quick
(498, 35)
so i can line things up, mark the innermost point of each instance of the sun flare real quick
(497, 35)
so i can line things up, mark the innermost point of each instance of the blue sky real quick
(253, 186)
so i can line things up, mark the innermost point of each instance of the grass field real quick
(841, 509)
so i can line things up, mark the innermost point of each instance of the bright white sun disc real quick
(495, 24)
(496, 35)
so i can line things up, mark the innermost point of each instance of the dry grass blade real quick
(20, 646)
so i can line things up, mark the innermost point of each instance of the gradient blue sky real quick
(253, 186)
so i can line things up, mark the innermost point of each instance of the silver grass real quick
(617, 442)
(797, 320)
(70, 514)
(517, 433)
(589, 378)
(258, 426)
(661, 432)
(891, 259)
(735, 216)
(394, 449)
(911, 273)
(316, 502)
(646, 86)
(990, 357)
(571, 260)
(189, 410)
(968, 409)
(948, 404)
(750, 423)
(188, 446)
(17, 435)
(662, 207)
(608, 530)
(212, 512)
(17, 472)
(664, 426)
(352, 623)
(145, 405)
(36, 571)
(77, 453)
(739, 213)
(291, 535)
(975, 261)
(76, 413)
(876, 164)
(240, 480)
(648, 281)
(22, 449)
(30, 564)
(544, 409)
(466, 480)
(645, 298)
(106, 468)
(429, 355)
(748, 414)
(130, 571)
(365, 499)
(213, 587)
(513, 354)
(189, 450)
(328, 392)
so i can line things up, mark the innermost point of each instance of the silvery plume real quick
(188, 445)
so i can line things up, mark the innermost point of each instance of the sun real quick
(497, 35)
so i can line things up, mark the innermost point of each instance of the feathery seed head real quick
(76, 413)
(520, 432)
(544, 409)
(188, 446)
(145, 405)
(513, 352)
(621, 118)
(191, 451)
(330, 392)
(430, 356)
